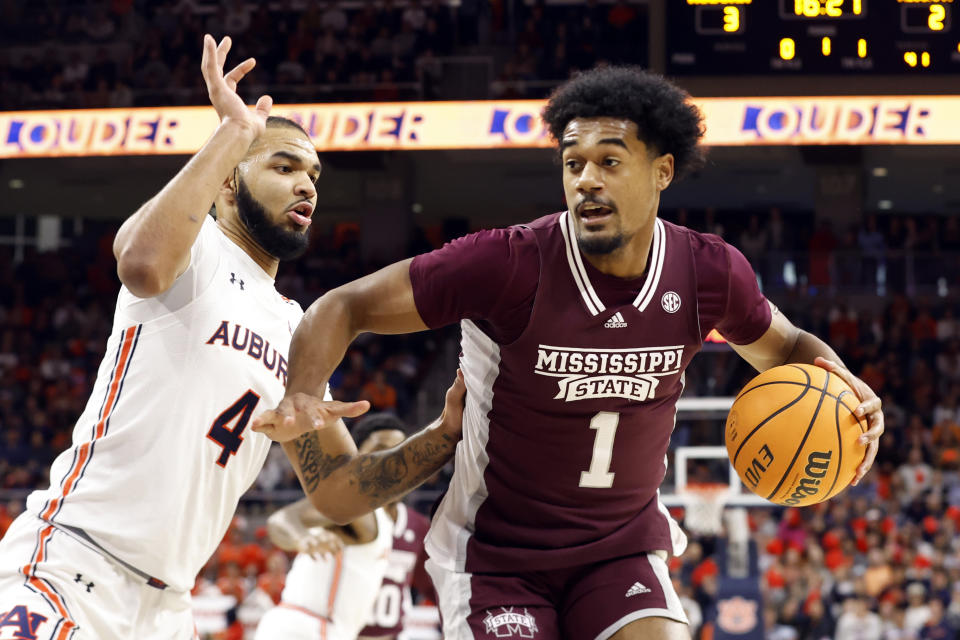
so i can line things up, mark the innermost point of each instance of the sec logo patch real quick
(670, 302)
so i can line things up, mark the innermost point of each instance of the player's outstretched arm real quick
(381, 302)
(784, 343)
(153, 245)
(296, 527)
(344, 486)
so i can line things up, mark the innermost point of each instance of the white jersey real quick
(344, 588)
(162, 453)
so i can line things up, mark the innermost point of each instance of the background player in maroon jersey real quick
(300, 527)
(405, 569)
(576, 331)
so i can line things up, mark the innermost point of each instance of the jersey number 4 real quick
(599, 476)
(227, 429)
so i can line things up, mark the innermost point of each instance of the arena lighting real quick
(479, 125)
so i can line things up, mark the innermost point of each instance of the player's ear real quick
(229, 187)
(663, 170)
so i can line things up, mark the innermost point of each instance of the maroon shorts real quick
(565, 604)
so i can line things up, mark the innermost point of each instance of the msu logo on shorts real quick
(508, 623)
(584, 374)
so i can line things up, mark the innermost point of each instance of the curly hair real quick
(665, 118)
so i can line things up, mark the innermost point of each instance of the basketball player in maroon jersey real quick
(576, 331)
(405, 568)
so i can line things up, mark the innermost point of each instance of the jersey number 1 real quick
(599, 475)
(230, 437)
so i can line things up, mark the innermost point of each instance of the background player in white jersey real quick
(336, 576)
(161, 454)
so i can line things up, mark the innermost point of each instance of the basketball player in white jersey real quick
(161, 454)
(335, 578)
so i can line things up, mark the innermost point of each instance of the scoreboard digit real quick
(723, 37)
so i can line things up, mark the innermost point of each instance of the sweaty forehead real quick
(285, 139)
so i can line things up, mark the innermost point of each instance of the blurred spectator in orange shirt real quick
(273, 580)
(381, 395)
(232, 582)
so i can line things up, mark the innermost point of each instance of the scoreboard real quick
(784, 37)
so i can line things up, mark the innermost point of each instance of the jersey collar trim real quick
(575, 261)
(657, 254)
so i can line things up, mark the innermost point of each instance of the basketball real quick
(792, 435)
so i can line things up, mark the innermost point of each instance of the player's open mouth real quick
(301, 213)
(592, 212)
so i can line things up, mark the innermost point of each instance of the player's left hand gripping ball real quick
(869, 407)
(300, 413)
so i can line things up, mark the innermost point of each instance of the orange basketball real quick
(792, 436)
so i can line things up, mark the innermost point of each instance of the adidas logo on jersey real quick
(616, 321)
(636, 590)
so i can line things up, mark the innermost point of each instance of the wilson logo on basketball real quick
(732, 434)
(818, 463)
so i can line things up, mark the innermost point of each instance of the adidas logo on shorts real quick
(636, 590)
(616, 321)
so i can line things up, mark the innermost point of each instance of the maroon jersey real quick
(406, 564)
(572, 378)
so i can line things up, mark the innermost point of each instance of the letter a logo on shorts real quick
(24, 623)
(508, 623)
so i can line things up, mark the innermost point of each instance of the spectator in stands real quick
(381, 395)
(872, 246)
(821, 249)
(936, 628)
(274, 578)
(858, 622)
(815, 621)
(918, 610)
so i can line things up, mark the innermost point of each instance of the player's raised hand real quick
(300, 413)
(869, 408)
(222, 89)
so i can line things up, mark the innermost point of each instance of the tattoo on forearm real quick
(431, 454)
(386, 475)
(314, 463)
(377, 475)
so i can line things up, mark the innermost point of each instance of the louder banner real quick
(336, 127)
(479, 125)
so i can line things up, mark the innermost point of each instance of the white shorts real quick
(289, 622)
(55, 587)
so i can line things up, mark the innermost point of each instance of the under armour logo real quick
(234, 280)
(88, 585)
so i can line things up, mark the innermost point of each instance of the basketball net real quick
(703, 504)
